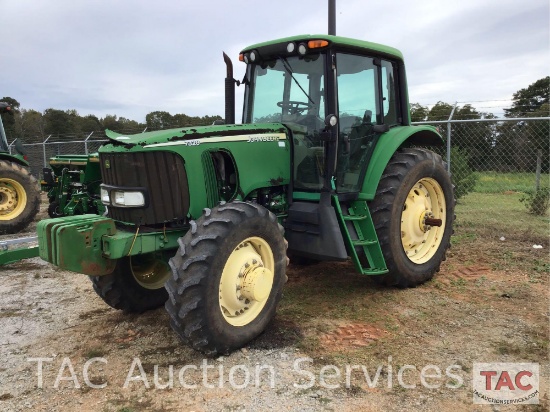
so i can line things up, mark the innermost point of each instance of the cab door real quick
(367, 106)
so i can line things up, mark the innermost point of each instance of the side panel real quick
(262, 160)
(388, 143)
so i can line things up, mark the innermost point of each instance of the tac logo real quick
(506, 383)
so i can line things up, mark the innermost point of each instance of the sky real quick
(131, 57)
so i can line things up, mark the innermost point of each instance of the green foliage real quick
(537, 201)
(440, 111)
(419, 113)
(528, 101)
(462, 175)
(164, 120)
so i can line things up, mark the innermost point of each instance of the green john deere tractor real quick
(325, 166)
(72, 184)
(19, 193)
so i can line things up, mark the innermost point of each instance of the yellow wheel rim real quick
(246, 281)
(148, 271)
(13, 199)
(425, 203)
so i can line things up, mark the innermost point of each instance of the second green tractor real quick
(325, 166)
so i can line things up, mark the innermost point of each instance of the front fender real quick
(387, 145)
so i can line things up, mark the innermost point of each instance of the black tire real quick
(121, 290)
(53, 210)
(195, 289)
(10, 171)
(407, 168)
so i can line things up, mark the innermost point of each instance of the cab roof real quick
(344, 42)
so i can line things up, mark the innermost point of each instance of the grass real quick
(497, 215)
(493, 182)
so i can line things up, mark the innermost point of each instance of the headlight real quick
(130, 199)
(123, 197)
(105, 197)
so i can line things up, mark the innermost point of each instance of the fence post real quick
(10, 146)
(539, 167)
(449, 138)
(44, 150)
(86, 143)
(144, 130)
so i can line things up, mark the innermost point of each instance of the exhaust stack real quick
(332, 17)
(229, 92)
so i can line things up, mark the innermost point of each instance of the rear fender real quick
(14, 158)
(387, 145)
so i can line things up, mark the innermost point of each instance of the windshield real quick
(286, 90)
(291, 90)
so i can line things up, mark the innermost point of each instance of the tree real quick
(130, 126)
(520, 142)
(89, 124)
(528, 101)
(474, 139)
(59, 122)
(110, 122)
(159, 120)
(419, 113)
(31, 126)
(440, 111)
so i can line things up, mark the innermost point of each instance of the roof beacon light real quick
(315, 44)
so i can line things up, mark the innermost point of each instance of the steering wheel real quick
(295, 107)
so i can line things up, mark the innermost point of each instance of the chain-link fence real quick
(504, 154)
(39, 154)
(501, 154)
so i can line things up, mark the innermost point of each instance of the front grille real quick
(161, 173)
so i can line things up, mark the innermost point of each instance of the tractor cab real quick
(301, 81)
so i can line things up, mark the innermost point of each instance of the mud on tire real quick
(198, 311)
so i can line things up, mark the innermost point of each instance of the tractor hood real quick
(181, 135)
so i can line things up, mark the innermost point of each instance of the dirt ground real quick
(333, 332)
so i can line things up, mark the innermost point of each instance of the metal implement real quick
(10, 256)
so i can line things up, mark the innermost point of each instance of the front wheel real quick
(413, 213)
(136, 284)
(228, 276)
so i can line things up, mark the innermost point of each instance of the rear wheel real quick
(413, 214)
(19, 197)
(136, 284)
(227, 278)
